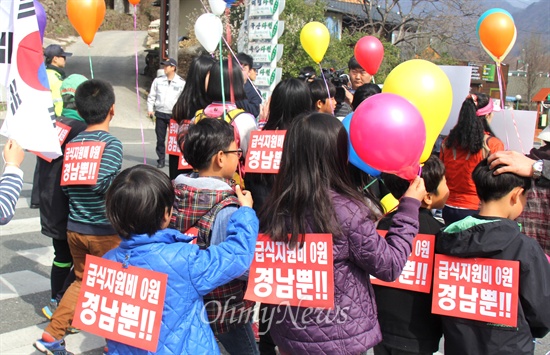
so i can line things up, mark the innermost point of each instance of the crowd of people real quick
(144, 218)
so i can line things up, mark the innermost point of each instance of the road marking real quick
(21, 283)
(42, 255)
(10, 342)
(20, 226)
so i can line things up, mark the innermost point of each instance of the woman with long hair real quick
(470, 141)
(192, 98)
(313, 193)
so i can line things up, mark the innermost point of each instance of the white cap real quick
(545, 134)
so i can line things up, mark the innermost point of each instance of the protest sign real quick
(121, 304)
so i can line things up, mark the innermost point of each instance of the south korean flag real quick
(28, 120)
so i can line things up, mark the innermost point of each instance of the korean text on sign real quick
(121, 304)
(417, 273)
(264, 152)
(172, 147)
(480, 289)
(300, 277)
(81, 163)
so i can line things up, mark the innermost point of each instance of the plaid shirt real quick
(196, 207)
(534, 218)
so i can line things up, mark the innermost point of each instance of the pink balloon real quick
(388, 134)
(369, 52)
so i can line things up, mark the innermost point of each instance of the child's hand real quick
(417, 190)
(245, 197)
(13, 153)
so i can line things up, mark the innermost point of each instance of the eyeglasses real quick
(238, 151)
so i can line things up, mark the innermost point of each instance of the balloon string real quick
(517, 132)
(328, 91)
(221, 79)
(137, 87)
(90, 59)
(229, 62)
(499, 76)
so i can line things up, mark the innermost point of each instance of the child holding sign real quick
(493, 234)
(405, 316)
(313, 193)
(139, 204)
(205, 203)
(88, 230)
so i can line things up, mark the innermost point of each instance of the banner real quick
(172, 145)
(30, 118)
(264, 152)
(417, 273)
(480, 289)
(301, 277)
(121, 304)
(63, 131)
(81, 163)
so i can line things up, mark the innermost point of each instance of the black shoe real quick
(34, 206)
(160, 165)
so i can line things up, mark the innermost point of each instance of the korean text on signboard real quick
(480, 289)
(417, 273)
(81, 163)
(299, 277)
(121, 304)
(265, 151)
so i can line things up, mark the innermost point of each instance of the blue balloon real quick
(353, 157)
(489, 12)
(229, 2)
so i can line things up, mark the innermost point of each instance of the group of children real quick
(151, 218)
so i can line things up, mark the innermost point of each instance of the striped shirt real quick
(11, 184)
(87, 202)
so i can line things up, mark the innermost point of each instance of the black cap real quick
(55, 50)
(257, 66)
(171, 62)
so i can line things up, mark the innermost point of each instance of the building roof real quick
(541, 95)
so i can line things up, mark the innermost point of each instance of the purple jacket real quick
(352, 326)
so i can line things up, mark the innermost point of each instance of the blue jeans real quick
(239, 341)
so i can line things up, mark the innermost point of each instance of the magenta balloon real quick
(41, 17)
(388, 134)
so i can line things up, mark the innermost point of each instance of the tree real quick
(536, 64)
(414, 25)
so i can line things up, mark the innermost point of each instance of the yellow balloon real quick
(315, 39)
(428, 88)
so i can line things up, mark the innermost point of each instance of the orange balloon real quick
(497, 34)
(86, 16)
(133, 2)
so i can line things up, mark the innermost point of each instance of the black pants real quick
(161, 125)
(35, 193)
(61, 268)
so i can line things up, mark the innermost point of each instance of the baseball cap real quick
(257, 66)
(55, 50)
(71, 83)
(171, 62)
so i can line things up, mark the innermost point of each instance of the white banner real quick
(459, 76)
(30, 118)
(516, 129)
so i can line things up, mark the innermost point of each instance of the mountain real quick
(532, 20)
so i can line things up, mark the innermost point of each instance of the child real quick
(322, 101)
(493, 234)
(88, 230)
(54, 204)
(313, 194)
(139, 205)
(405, 317)
(206, 201)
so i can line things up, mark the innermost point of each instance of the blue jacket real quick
(192, 273)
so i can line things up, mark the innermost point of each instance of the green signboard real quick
(488, 72)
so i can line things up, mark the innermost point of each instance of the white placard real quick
(459, 76)
(504, 128)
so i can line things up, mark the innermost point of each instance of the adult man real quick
(253, 72)
(253, 99)
(55, 58)
(164, 93)
(358, 76)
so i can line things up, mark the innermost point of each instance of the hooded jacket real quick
(192, 273)
(352, 326)
(499, 238)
